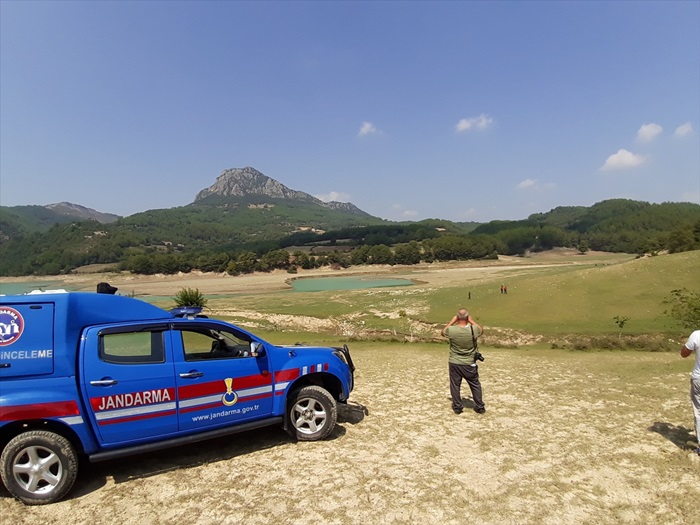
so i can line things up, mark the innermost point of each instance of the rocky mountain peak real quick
(79, 212)
(243, 182)
(247, 182)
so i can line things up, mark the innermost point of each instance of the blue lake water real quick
(28, 286)
(312, 284)
(322, 284)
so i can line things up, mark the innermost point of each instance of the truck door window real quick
(212, 344)
(132, 348)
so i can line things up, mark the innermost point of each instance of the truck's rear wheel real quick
(312, 413)
(38, 467)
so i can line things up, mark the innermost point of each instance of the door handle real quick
(104, 382)
(191, 375)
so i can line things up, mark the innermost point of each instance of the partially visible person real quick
(693, 346)
(463, 332)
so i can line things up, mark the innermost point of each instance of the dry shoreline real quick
(277, 280)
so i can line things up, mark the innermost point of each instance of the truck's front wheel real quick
(313, 413)
(38, 467)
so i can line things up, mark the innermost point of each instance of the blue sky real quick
(468, 111)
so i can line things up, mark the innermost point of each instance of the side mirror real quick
(256, 349)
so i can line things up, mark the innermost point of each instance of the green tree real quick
(301, 259)
(449, 248)
(519, 240)
(359, 255)
(141, 264)
(190, 297)
(380, 254)
(232, 268)
(620, 321)
(246, 262)
(550, 237)
(407, 253)
(682, 240)
(338, 259)
(212, 262)
(276, 259)
(684, 308)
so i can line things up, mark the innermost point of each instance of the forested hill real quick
(241, 233)
(242, 209)
(616, 225)
(16, 221)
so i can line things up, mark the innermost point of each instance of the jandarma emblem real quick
(230, 397)
(11, 326)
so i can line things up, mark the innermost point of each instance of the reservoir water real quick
(323, 284)
(28, 286)
(311, 284)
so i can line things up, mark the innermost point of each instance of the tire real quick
(312, 413)
(38, 467)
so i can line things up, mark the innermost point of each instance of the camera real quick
(478, 356)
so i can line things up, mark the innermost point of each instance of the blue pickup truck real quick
(103, 376)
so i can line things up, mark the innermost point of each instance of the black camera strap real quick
(477, 355)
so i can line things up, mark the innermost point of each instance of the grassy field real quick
(554, 299)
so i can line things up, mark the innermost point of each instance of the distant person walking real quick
(463, 332)
(693, 345)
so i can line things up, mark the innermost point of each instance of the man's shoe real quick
(457, 411)
(480, 410)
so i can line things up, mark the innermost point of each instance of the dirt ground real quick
(567, 438)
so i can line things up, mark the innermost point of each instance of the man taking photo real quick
(463, 332)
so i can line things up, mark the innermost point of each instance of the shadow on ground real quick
(93, 476)
(352, 413)
(680, 436)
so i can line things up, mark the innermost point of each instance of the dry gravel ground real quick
(575, 438)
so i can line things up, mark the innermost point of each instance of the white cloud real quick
(527, 183)
(367, 128)
(683, 130)
(337, 196)
(400, 211)
(648, 132)
(535, 185)
(622, 160)
(481, 122)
